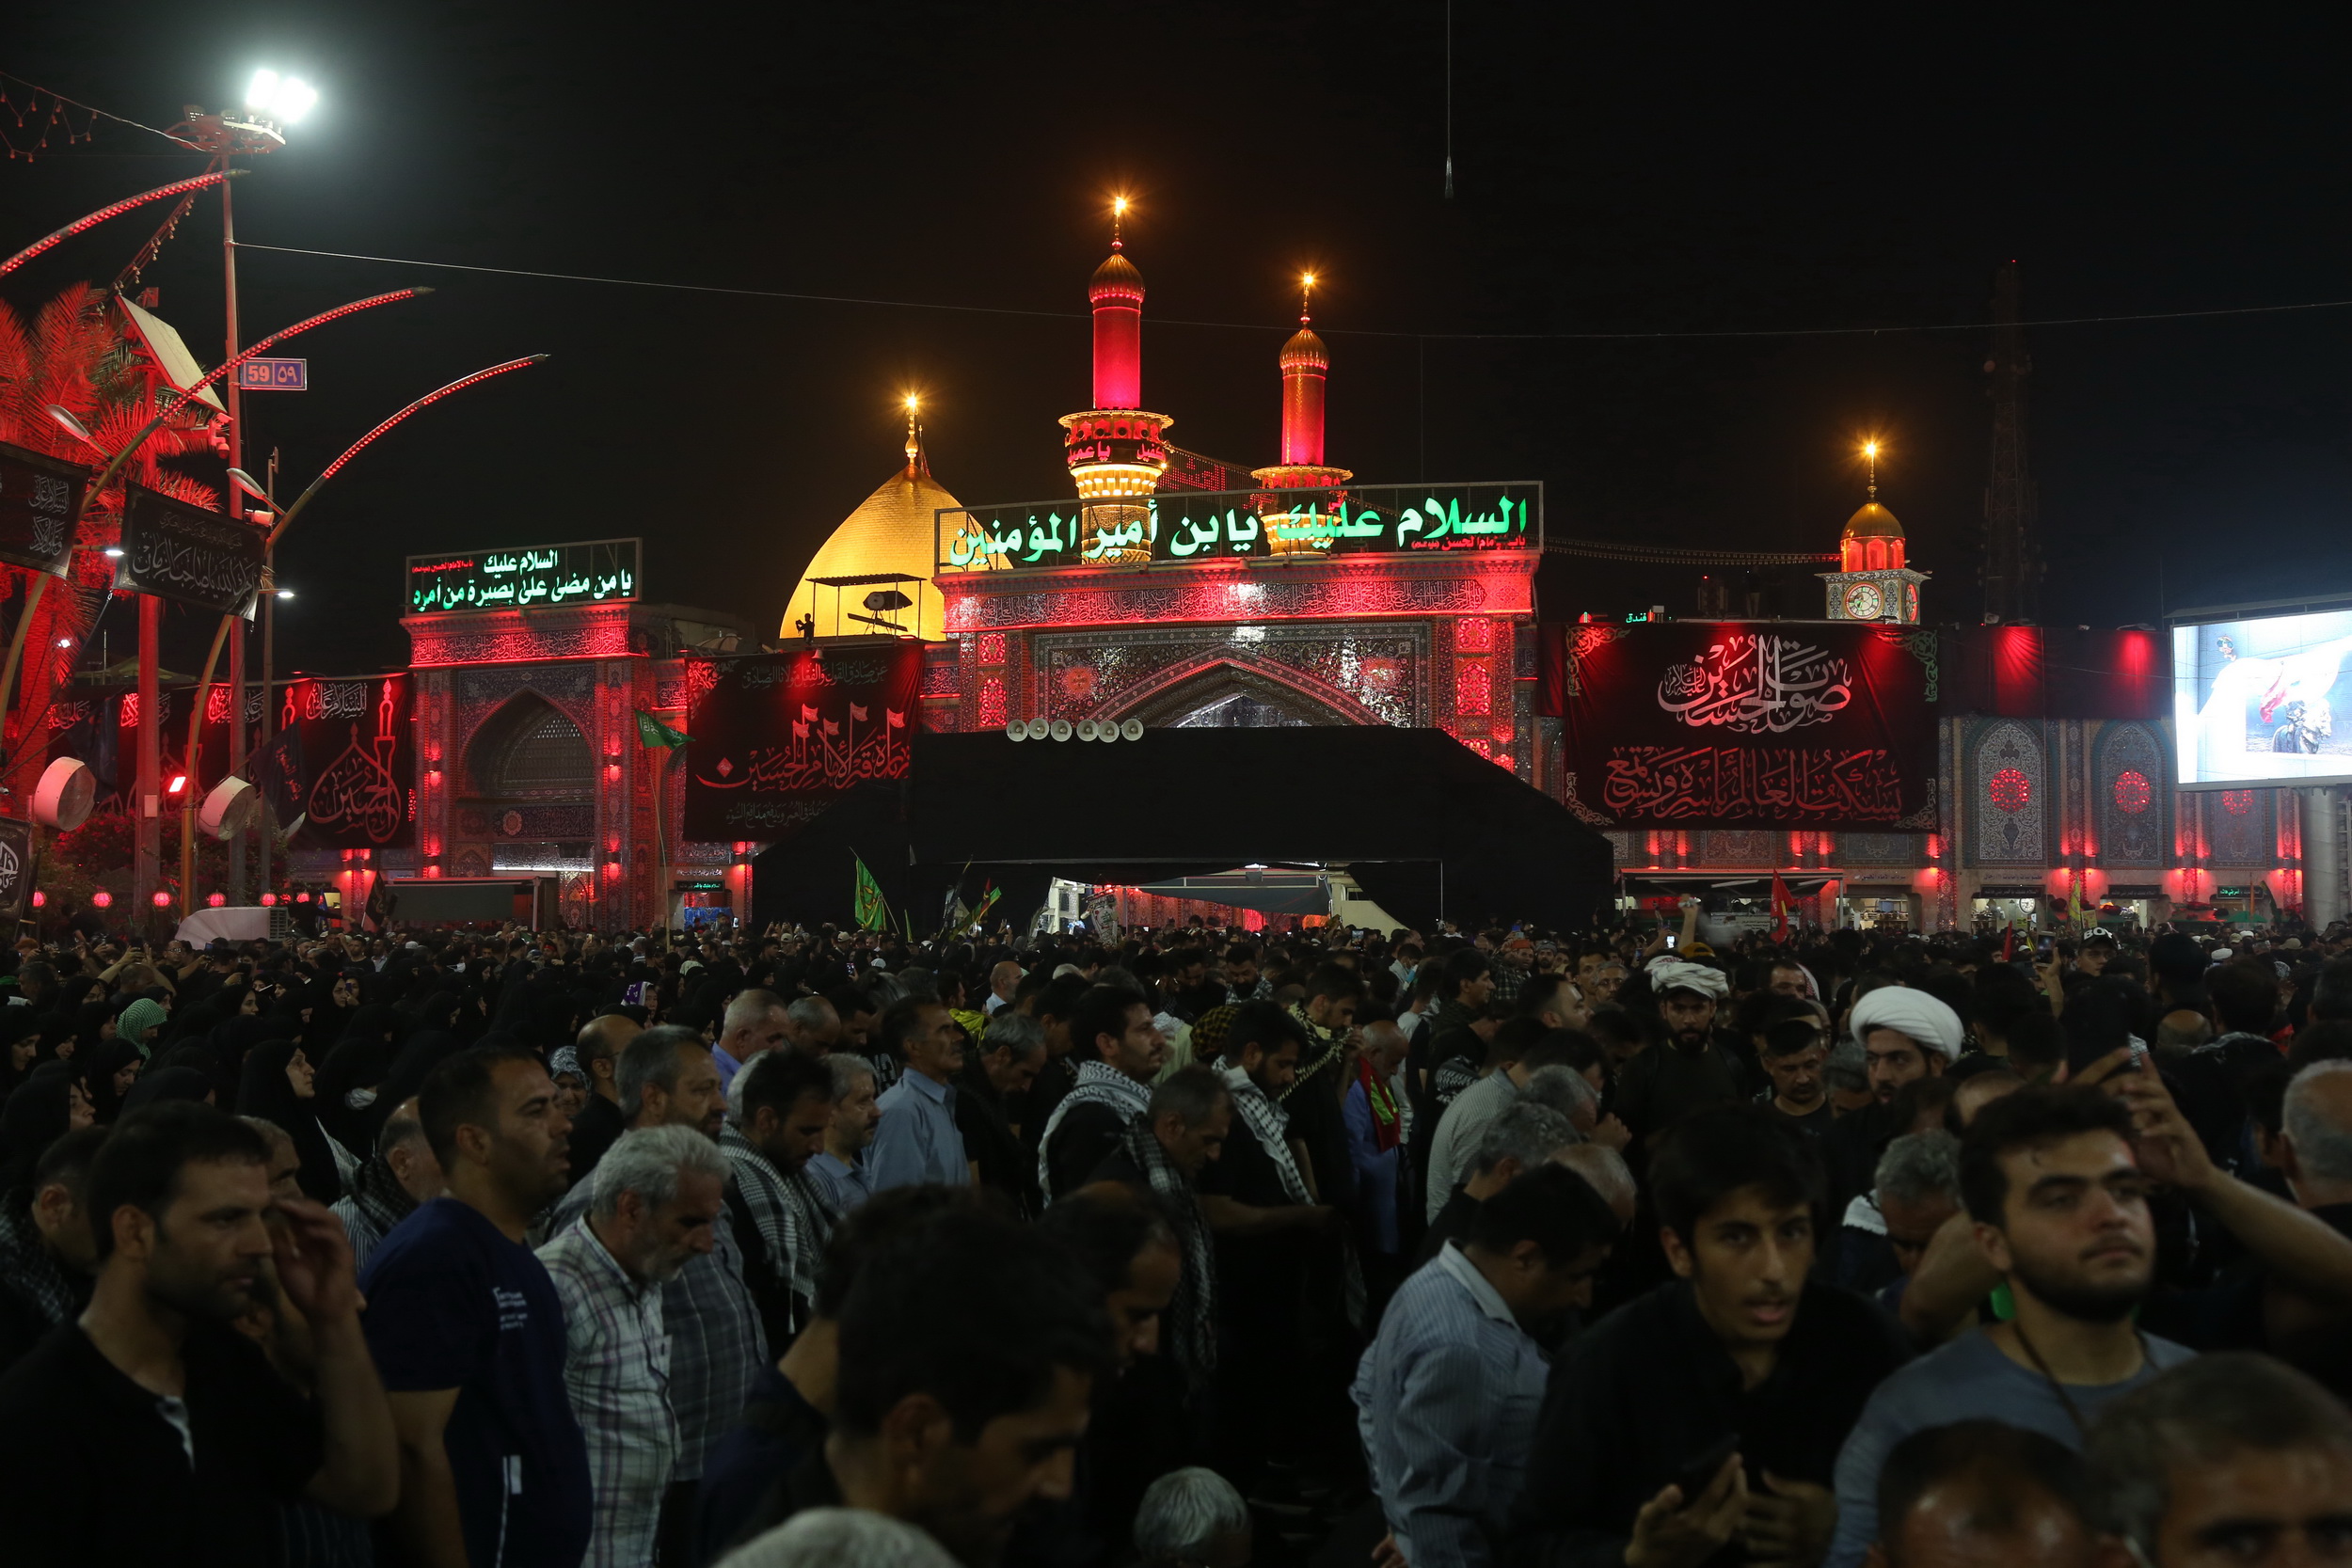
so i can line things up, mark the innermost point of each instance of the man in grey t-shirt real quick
(2056, 1182)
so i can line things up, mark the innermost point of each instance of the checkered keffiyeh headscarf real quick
(1192, 1313)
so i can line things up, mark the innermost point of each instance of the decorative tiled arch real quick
(2009, 795)
(2131, 793)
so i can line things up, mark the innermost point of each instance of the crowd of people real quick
(1189, 1246)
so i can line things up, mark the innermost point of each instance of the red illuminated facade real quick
(1291, 637)
(530, 763)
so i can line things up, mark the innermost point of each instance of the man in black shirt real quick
(602, 1120)
(1741, 1348)
(1261, 1207)
(46, 1257)
(996, 1077)
(152, 1382)
(1121, 1051)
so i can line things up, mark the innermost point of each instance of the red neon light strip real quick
(178, 187)
(284, 333)
(458, 386)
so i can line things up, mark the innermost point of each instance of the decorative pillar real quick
(2323, 857)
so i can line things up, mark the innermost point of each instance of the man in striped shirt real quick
(657, 1193)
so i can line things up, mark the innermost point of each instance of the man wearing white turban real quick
(1905, 1035)
(1662, 1085)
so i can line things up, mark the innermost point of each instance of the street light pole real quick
(229, 504)
(278, 531)
(267, 821)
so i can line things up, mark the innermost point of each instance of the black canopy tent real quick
(1425, 827)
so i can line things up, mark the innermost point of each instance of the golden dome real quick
(1304, 348)
(1116, 276)
(890, 531)
(1872, 522)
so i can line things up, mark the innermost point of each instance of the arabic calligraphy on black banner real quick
(772, 732)
(1756, 684)
(357, 760)
(1749, 726)
(1779, 784)
(188, 555)
(40, 502)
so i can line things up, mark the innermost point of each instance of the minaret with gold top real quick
(1115, 450)
(1305, 366)
(1872, 582)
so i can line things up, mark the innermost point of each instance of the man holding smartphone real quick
(1709, 1411)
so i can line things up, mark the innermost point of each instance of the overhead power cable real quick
(1326, 331)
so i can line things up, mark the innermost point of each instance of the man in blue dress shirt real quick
(918, 1139)
(1447, 1397)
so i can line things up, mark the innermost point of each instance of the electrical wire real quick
(88, 109)
(1326, 331)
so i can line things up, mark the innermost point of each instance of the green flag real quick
(872, 914)
(653, 733)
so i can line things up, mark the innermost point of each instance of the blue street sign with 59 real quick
(274, 375)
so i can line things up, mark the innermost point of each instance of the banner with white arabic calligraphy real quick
(189, 555)
(1761, 724)
(358, 788)
(1389, 519)
(40, 506)
(773, 733)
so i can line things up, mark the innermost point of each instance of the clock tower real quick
(1873, 584)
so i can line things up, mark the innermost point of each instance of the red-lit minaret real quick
(1305, 366)
(1114, 449)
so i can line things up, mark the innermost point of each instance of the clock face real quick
(1864, 601)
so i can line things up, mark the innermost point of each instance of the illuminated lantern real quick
(269, 900)
(163, 898)
(102, 899)
(216, 899)
(302, 897)
(40, 898)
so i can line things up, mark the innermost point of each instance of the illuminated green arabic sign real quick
(1395, 519)
(517, 579)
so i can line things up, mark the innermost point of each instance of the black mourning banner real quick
(16, 866)
(357, 757)
(40, 508)
(1750, 725)
(774, 734)
(188, 555)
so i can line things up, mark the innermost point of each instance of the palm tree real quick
(79, 352)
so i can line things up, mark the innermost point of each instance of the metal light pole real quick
(267, 821)
(278, 531)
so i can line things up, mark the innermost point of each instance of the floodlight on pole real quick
(247, 483)
(282, 99)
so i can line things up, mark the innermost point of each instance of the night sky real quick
(1660, 174)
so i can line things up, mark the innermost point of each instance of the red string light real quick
(458, 386)
(178, 187)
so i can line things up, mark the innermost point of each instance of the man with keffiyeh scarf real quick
(46, 1253)
(1181, 1131)
(1261, 1203)
(1120, 1050)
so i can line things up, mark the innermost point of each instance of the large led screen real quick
(2264, 701)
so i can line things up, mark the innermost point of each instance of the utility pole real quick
(2012, 572)
(265, 823)
(234, 506)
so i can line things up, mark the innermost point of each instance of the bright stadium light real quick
(283, 99)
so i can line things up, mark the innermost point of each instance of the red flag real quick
(2008, 942)
(1780, 908)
